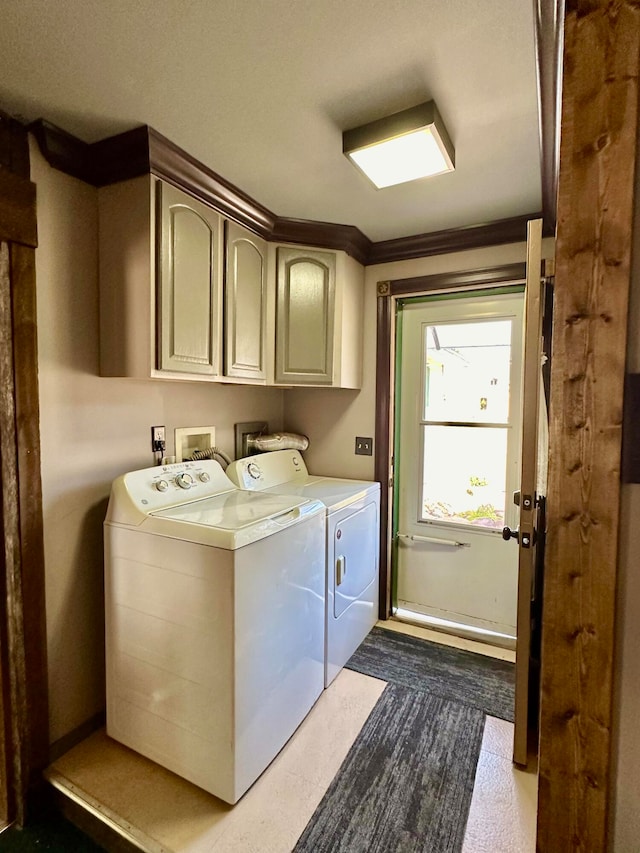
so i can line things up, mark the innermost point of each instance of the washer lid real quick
(232, 510)
(232, 520)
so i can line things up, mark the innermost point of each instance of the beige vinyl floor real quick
(162, 813)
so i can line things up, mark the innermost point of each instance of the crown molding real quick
(173, 164)
(512, 230)
(63, 151)
(143, 150)
(118, 158)
(347, 238)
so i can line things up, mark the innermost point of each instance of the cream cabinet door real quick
(189, 273)
(245, 303)
(305, 316)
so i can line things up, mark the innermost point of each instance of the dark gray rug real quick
(482, 682)
(406, 783)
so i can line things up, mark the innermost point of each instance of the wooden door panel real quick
(531, 390)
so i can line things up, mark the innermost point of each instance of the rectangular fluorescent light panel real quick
(404, 147)
(405, 158)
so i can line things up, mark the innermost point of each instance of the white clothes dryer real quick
(214, 621)
(351, 549)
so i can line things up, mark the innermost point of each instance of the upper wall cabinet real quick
(319, 317)
(292, 316)
(245, 304)
(160, 261)
(188, 284)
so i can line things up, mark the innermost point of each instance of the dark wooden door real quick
(594, 243)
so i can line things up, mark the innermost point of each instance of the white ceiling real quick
(260, 91)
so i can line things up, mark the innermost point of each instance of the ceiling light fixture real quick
(402, 147)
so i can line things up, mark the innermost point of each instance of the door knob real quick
(508, 533)
(526, 540)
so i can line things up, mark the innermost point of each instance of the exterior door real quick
(457, 459)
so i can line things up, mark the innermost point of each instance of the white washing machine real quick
(352, 543)
(214, 621)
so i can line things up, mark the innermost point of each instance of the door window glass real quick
(464, 475)
(465, 422)
(467, 371)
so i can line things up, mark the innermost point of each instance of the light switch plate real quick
(364, 446)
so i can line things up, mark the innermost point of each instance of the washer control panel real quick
(185, 480)
(165, 485)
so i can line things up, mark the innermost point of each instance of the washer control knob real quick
(162, 485)
(253, 470)
(204, 477)
(184, 480)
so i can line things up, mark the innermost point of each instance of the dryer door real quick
(352, 581)
(354, 562)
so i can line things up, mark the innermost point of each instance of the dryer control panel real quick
(267, 470)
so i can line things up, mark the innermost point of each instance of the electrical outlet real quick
(158, 442)
(364, 446)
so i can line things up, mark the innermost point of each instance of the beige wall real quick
(332, 419)
(93, 429)
(626, 806)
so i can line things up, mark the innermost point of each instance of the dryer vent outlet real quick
(246, 431)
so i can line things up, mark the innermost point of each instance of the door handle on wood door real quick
(526, 539)
(508, 533)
